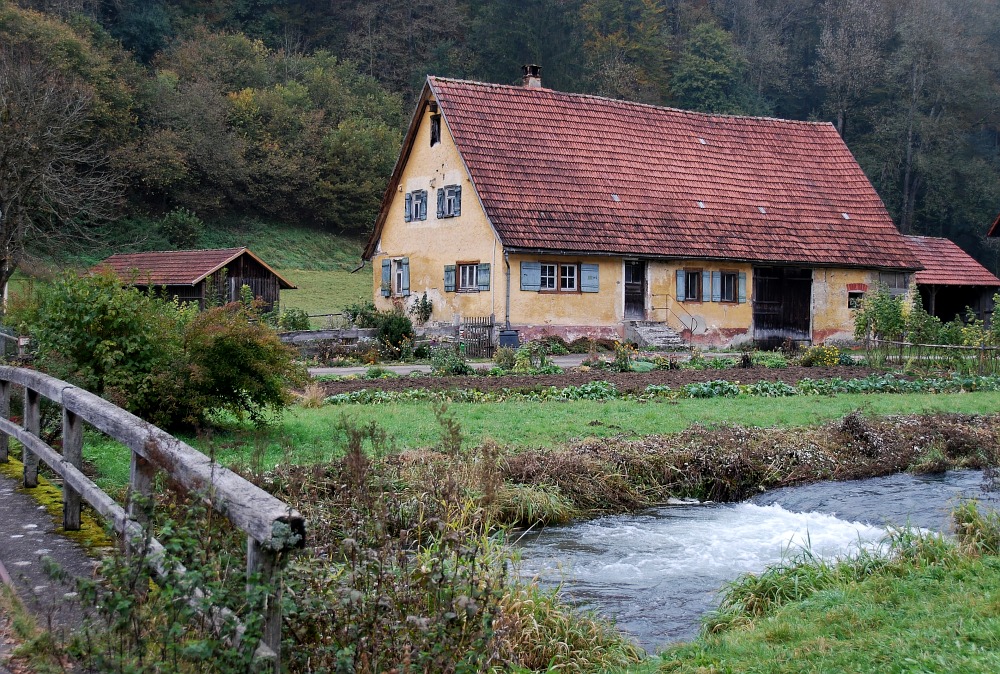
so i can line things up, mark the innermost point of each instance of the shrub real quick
(447, 361)
(293, 319)
(160, 360)
(361, 314)
(820, 356)
(182, 228)
(422, 309)
(504, 357)
(624, 355)
(769, 359)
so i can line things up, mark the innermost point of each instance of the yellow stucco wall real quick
(433, 243)
(712, 322)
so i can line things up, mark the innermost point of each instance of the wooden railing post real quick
(32, 424)
(4, 413)
(264, 563)
(72, 449)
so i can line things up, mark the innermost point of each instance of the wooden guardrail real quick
(272, 528)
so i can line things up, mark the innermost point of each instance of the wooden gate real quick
(477, 336)
(782, 301)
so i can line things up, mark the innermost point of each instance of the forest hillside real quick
(291, 113)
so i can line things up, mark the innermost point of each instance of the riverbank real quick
(923, 604)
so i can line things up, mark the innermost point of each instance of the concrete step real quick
(653, 334)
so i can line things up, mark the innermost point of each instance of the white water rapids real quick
(658, 572)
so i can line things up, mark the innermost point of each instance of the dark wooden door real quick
(635, 290)
(782, 302)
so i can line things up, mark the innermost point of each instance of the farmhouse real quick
(202, 276)
(576, 215)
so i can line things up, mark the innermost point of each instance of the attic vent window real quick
(435, 128)
(846, 216)
(701, 204)
(615, 198)
(702, 141)
(762, 210)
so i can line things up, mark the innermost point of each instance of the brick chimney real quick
(532, 77)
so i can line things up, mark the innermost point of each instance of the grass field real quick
(311, 435)
(325, 292)
(938, 615)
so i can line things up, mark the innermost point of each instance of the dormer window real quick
(435, 130)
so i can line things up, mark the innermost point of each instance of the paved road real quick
(28, 540)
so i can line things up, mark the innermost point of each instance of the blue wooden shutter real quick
(681, 288)
(716, 286)
(408, 207)
(449, 278)
(440, 212)
(706, 286)
(405, 265)
(743, 288)
(590, 281)
(423, 205)
(458, 201)
(484, 276)
(531, 276)
(386, 278)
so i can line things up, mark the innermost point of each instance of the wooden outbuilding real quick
(204, 276)
(952, 282)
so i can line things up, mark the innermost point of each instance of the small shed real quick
(202, 276)
(952, 280)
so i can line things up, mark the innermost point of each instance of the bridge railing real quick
(272, 528)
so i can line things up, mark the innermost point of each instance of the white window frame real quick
(397, 277)
(548, 277)
(569, 278)
(735, 278)
(451, 199)
(416, 198)
(467, 277)
(696, 296)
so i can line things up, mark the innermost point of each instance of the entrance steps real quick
(658, 335)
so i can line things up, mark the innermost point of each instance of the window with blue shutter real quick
(590, 281)
(742, 298)
(531, 276)
(449, 278)
(716, 286)
(386, 278)
(422, 211)
(408, 207)
(484, 276)
(728, 286)
(449, 201)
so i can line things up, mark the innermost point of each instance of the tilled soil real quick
(631, 382)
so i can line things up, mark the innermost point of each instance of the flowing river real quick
(657, 573)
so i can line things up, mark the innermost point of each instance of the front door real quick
(635, 290)
(782, 297)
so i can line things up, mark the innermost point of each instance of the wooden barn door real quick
(635, 290)
(782, 302)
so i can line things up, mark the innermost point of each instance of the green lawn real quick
(310, 435)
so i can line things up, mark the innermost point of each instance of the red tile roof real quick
(179, 267)
(945, 264)
(577, 173)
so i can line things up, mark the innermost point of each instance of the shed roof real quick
(180, 267)
(945, 264)
(568, 172)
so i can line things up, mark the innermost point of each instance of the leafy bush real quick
(182, 228)
(293, 319)
(160, 360)
(361, 314)
(820, 356)
(624, 355)
(447, 361)
(505, 357)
